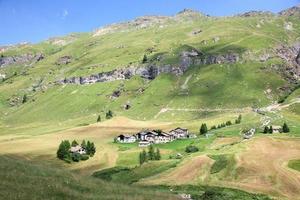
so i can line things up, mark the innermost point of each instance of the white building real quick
(180, 133)
(126, 138)
(78, 149)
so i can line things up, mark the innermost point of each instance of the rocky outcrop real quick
(291, 56)
(298, 58)
(256, 14)
(151, 71)
(20, 59)
(294, 11)
(64, 60)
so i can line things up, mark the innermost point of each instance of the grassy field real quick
(294, 164)
(22, 179)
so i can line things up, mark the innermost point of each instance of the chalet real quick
(78, 149)
(163, 137)
(179, 133)
(249, 134)
(144, 143)
(277, 129)
(126, 138)
(146, 135)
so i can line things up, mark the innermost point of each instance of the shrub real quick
(76, 157)
(228, 123)
(213, 127)
(84, 157)
(191, 149)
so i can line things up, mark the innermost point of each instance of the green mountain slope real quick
(238, 63)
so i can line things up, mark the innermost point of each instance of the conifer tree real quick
(157, 154)
(145, 59)
(151, 154)
(271, 129)
(83, 144)
(24, 99)
(74, 143)
(266, 130)
(203, 129)
(63, 150)
(285, 128)
(145, 156)
(99, 118)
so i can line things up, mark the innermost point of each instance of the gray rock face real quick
(291, 56)
(151, 71)
(64, 60)
(298, 58)
(294, 11)
(20, 59)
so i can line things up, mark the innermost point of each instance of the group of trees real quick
(203, 129)
(228, 123)
(152, 154)
(285, 129)
(108, 115)
(65, 154)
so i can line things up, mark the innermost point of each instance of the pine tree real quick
(145, 156)
(203, 129)
(63, 150)
(151, 154)
(109, 114)
(266, 130)
(285, 128)
(74, 143)
(145, 59)
(24, 99)
(271, 129)
(157, 154)
(142, 157)
(99, 118)
(83, 144)
(92, 149)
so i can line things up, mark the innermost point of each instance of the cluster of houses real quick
(148, 137)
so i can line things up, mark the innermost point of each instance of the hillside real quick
(228, 62)
(156, 72)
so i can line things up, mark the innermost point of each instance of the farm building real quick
(126, 138)
(78, 149)
(180, 133)
(249, 134)
(155, 137)
(277, 129)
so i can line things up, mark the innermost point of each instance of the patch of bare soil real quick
(263, 167)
